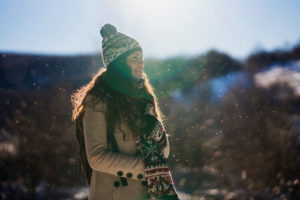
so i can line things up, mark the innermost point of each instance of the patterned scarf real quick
(150, 146)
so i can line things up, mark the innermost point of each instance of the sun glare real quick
(151, 12)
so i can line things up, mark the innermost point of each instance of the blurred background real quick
(226, 73)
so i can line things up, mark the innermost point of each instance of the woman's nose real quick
(141, 63)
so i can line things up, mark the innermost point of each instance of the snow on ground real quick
(289, 75)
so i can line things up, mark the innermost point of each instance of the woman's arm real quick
(100, 158)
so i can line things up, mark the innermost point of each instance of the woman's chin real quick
(138, 76)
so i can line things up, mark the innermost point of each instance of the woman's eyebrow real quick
(137, 55)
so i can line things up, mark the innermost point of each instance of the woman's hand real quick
(150, 109)
(147, 121)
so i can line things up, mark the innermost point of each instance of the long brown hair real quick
(117, 88)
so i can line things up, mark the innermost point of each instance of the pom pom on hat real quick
(108, 30)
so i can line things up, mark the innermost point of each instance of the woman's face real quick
(136, 62)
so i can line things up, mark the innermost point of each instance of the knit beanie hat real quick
(114, 43)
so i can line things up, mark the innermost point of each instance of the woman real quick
(123, 144)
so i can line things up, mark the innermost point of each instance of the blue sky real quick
(163, 27)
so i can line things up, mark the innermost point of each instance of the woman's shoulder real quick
(92, 101)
